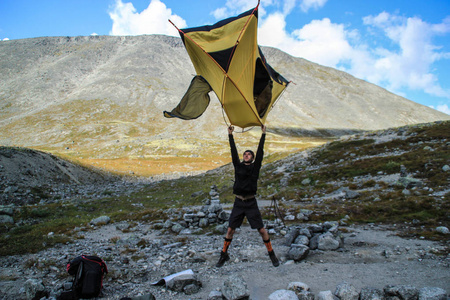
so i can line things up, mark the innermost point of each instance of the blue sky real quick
(403, 46)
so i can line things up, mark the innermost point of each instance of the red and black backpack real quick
(88, 272)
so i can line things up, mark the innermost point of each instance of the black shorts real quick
(248, 208)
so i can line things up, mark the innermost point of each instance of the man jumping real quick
(246, 174)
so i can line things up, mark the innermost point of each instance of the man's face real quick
(248, 157)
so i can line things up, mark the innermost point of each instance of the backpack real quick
(88, 272)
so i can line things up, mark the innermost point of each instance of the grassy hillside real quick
(368, 165)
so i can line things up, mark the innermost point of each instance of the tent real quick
(228, 61)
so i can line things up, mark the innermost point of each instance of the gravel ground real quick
(372, 256)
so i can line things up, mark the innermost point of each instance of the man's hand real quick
(263, 128)
(230, 129)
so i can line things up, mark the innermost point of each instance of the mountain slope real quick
(102, 97)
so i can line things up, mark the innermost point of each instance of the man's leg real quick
(224, 255)
(228, 239)
(266, 239)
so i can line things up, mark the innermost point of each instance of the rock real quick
(306, 181)
(203, 222)
(432, 293)
(327, 241)
(283, 295)
(349, 194)
(168, 224)
(314, 242)
(191, 289)
(289, 218)
(305, 232)
(346, 291)
(403, 172)
(215, 208)
(409, 182)
(34, 289)
(301, 216)
(222, 228)
(315, 228)
(305, 295)
(291, 235)
(446, 168)
(223, 215)
(177, 228)
(180, 283)
(298, 252)
(325, 295)
(368, 293)
(103, 220)
(235, 287)
(215, 295)
(5, 219)
(404, 292)
(4, 210)
(298, 286)
(301, 240)
(443, 230)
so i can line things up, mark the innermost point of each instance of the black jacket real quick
(246, 176)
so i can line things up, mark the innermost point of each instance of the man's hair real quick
(251, 152)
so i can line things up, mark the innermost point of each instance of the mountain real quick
(99, 98)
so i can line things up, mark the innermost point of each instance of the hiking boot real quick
(274, 259)
(223, 258)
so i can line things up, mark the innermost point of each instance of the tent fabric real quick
(227, 56)
(194, 102)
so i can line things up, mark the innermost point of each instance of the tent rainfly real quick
(228, 60)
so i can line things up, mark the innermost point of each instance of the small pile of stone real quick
(301, 239)
(212, 213)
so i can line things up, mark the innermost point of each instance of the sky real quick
(402, 46)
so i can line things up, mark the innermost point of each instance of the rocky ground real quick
(136, 256)
(139, 253)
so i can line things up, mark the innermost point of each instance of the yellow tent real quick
(228, 60)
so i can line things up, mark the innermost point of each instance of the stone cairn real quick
(211, 213)
(303, 238)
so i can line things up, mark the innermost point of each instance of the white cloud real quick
(320, 41)
(407, 61)
(442, 108)
(5, 39)
(410, 65)
(233, 7)
(315, 4)
(152, 20)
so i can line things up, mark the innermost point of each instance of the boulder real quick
(283, 295)
(326, 295)
(346, 291)
(404, 292)
(235, 287)
(298, 252)
(34, 289)
(302, 240)
(215, 295)
(305, 295)
(369, 293)
(103, 220)
(184, 283)
(443, 230)
(328, 241)
(432, 293)
(298, 286)
(290, 236)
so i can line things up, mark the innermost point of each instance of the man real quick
(246, 174)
